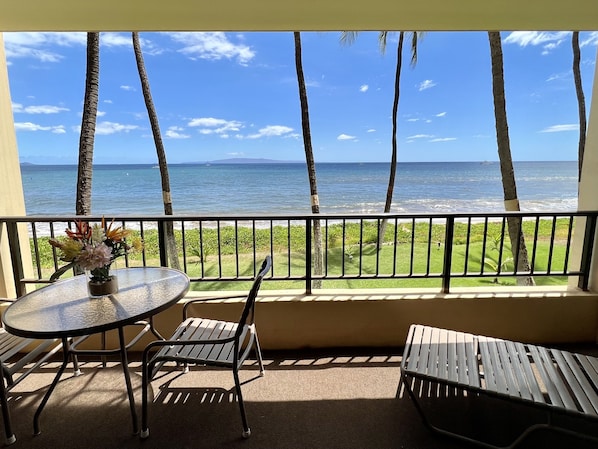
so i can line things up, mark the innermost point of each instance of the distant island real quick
(247, 160)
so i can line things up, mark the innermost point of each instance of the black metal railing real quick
(418, 250)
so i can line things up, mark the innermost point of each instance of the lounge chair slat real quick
(592, 374)
(408, 347)
(433, 355)
(497, 370)
(471, 355)
(576, 380)
(506, 368)
(487, 367)
(511, 368)
(461, 359)
(443, 355)
(422, 367)
(594, 362)
(527, 372)
(414, 348)
(501, 382)
(558, 393)
(452, 356)
(539, 362)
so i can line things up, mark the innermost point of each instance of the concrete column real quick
(12, 199)
(588, 186)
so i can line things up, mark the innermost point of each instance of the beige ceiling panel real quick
(302, 15)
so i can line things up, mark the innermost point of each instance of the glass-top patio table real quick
(65, 310)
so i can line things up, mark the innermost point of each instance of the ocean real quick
(283, 188)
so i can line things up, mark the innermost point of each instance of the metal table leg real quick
(66, 351)
(125, 366)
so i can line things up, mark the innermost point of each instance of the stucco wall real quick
(354, 318)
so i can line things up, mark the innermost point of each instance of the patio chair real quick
(18, 358)
(207, 342)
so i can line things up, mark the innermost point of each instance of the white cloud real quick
(106, 128)
(591, 39)
(420, 136)
(41, 46)
(413, 120)
(116, 39)
(560, 128)
(40, 109)
(175, 132)
(443, 139)
(558, 76)
(127, 88)
(364, 88)
(548, 40)
(272, 130)
(212, 46)
(441, 114)
(525, 38)
(211, 125)
(371, 130)
(426, 84)
(346, 137)
(28, 126)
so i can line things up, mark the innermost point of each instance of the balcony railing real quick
(418, 250)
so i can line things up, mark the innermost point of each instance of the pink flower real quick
(92, 257)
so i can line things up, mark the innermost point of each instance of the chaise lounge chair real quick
(554, 381)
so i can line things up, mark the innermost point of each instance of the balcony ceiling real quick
(296, 15)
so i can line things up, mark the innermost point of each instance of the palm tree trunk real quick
(88, 126)
(153, 117)
(581, 102)
(393, 158)
(518, 247)
(309, 158)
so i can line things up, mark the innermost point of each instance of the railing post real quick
(16, 259)
(448, 254)
(586, 255)
(308, 256)
(162, 243)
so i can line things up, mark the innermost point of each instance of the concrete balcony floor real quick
(345, 399)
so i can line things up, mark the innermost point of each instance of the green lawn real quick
(344, 251)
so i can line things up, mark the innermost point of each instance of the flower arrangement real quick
(93, 248)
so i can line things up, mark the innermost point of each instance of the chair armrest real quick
(199, 300)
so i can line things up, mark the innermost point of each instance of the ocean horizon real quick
(275, 187)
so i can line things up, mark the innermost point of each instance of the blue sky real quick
(225, 95)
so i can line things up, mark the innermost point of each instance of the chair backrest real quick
(248, 315)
